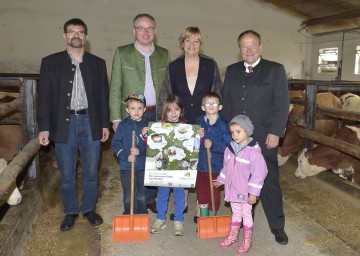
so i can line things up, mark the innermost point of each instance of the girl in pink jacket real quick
(243, 176)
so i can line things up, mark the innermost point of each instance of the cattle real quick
(295, 94)
(321, 158)
(10, 135)
(350, 102)
(15, 197)
(291, 144)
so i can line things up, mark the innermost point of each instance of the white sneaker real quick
(157, 225)
(178, 228)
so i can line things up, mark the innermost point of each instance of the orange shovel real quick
(127, 228)
(213, 226)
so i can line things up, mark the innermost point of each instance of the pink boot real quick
(233, 235)
(246, 245)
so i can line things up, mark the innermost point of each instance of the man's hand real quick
(44, 138)
(272, 141)
(115, 124)
(105, 134)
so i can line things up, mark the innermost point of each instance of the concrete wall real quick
(346, 43)
(31, 30)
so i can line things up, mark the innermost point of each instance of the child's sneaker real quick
(178, 228)
(157, 225)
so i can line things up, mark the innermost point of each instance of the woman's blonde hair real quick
(189, 32)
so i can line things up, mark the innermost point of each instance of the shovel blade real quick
(128, 228)
(214, 226)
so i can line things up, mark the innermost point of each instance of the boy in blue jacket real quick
(215, 136)
(122, 146)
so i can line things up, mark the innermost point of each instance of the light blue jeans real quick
(66, 153)
(163, 200)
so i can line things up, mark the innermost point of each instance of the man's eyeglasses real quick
(142, 29)
(211, 104)
(73, 33)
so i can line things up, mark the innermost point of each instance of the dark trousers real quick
(271, 195)
(140, 206)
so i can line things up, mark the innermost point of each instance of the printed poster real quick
(172, 155)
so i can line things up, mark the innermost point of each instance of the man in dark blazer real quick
(258, 88)
(73, 111)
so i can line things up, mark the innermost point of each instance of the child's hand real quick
(131, 158)
(201, 132)
(134, 151)
(208, 143)
(216, 184)
(252, 199)
(144, 131)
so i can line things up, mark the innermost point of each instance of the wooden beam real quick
(331, 142)
(332, 18)
(9, 175)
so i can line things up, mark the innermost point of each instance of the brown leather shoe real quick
(152, 207)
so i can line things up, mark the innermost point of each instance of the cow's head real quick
(304, 168)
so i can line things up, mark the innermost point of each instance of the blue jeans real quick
(66, 153)
(140, 206)
(162, 203)
(150, 192)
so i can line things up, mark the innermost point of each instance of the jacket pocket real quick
(127, 67)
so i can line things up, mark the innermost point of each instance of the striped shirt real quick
(149, 91)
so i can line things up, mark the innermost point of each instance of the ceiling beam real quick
(332, 18)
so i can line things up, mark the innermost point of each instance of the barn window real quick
(328, 59)
(357, 61)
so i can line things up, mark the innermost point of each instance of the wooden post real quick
(310, 110)
(28, 93)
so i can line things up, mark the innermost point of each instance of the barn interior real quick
(316, 41)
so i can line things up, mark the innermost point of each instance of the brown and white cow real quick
(321, 158)
(291, 143)
(10, 135)
(350, 102)
(15, 197)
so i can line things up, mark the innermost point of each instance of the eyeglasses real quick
(142, 29)
(73, 33)
(211, 104)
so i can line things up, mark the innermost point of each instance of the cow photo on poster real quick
(172, 155)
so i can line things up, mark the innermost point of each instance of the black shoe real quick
(280, 236)
(152, 207)
(172, 215)
(68, 222)
(93, 218)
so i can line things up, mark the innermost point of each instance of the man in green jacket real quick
(138, 67)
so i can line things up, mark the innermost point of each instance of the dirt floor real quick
(319, 221)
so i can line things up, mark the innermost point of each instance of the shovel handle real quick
(211, 180)
(132, 176)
